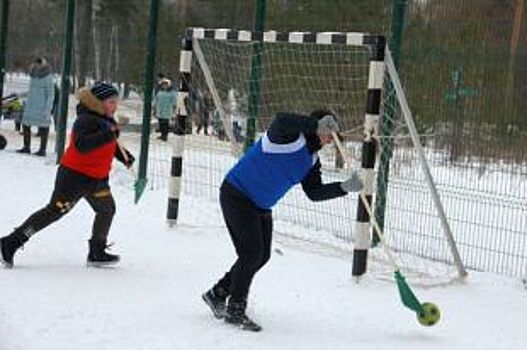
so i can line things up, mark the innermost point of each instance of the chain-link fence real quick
(462, 72)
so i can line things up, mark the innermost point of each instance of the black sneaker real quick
(98, 257)
(23, 150)
(237, 317)
(8, 246)
(216, 299)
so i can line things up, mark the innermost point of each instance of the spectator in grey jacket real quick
(37, 111)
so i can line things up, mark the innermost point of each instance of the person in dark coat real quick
(206, 108)
(286, 155)
(82, 173)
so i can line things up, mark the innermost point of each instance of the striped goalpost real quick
(176, 164)
(193, 57)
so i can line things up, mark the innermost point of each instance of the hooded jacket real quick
(92, 145)
(37, 111)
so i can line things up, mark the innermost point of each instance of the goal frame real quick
(375, 44)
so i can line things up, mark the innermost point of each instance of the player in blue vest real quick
(286, 155)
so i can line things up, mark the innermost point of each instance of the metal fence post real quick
(256, 75)
(65, 79)
(3, 44)
(147, 105)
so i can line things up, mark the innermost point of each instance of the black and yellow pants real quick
(70, 187)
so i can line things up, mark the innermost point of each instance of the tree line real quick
(485, 40)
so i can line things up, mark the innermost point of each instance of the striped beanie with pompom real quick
(103, 91)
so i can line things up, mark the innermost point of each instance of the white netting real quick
(295, 78)
(301, 78)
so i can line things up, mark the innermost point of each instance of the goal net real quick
(234, 82)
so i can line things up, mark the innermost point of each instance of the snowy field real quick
(304, 300)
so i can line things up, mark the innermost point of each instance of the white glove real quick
(327, 125)
(353, 184)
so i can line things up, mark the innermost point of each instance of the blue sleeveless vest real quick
(268, 170)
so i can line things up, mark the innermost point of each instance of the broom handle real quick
(125, 156)
(367, 206)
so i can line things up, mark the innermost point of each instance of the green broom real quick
(428, 314)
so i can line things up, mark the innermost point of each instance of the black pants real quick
(70, 187)
(163, 128)
(203, 123)
(251, 230)
(43, 133)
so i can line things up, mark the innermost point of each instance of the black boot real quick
(44, 132)
(27, 139)
(98, 257)
(3, 142)
(216, 299)
(236, 316)
(9, 245)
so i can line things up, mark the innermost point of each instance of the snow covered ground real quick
(304, 300)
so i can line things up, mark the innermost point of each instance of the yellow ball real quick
(430, 315)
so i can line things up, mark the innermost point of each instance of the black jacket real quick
(92, 130)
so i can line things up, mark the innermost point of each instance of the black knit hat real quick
(103, 91)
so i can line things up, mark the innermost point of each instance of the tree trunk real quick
(84, 41)
(515, 39)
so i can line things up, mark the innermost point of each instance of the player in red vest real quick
(82, 173)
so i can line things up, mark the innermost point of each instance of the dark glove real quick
(353, 184)
(130, 159)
